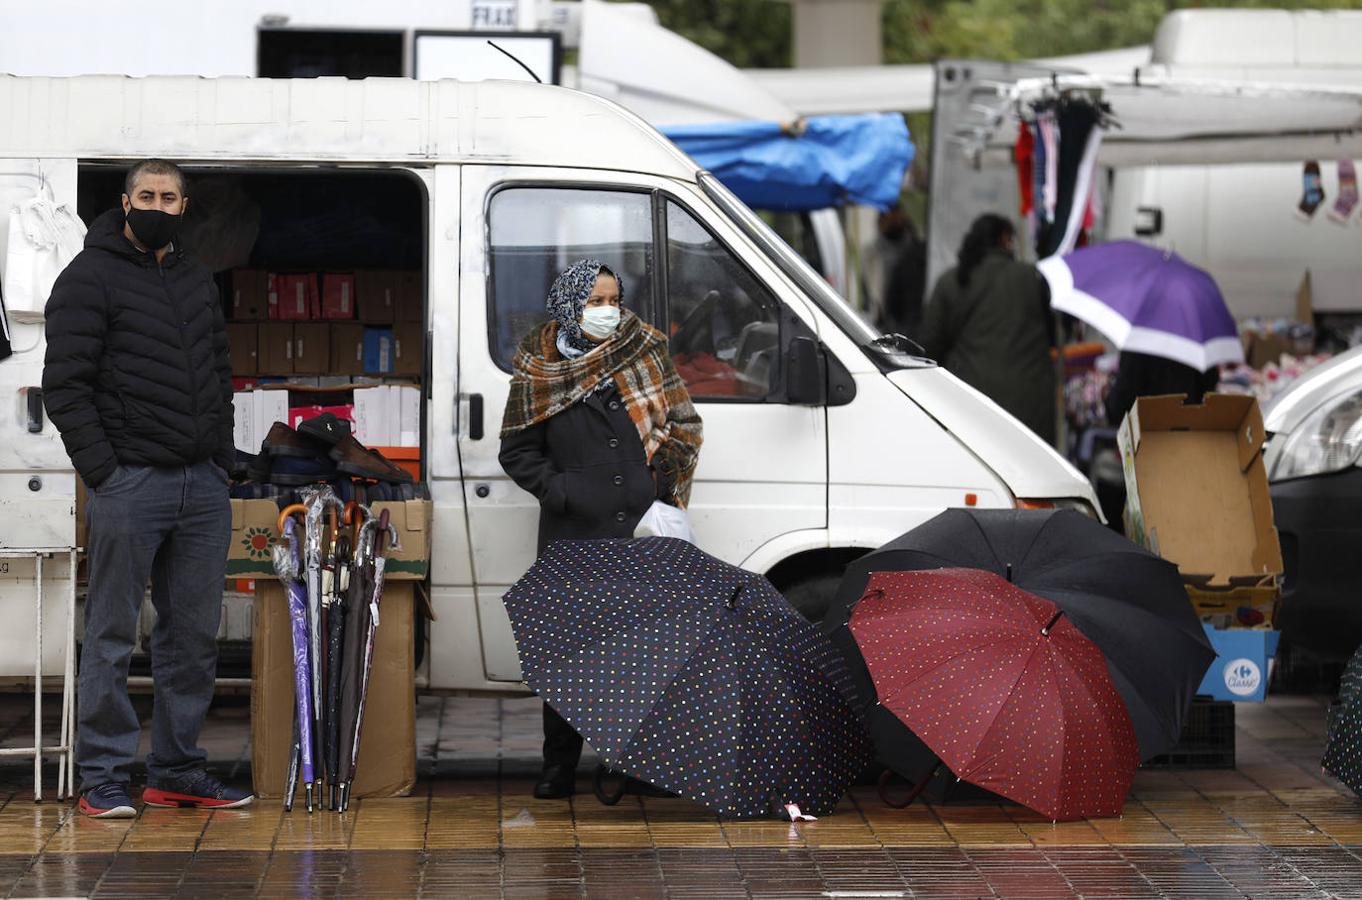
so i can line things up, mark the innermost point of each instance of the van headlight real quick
(1328, 440)
(1077, 504)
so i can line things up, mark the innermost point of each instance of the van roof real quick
(191, 119)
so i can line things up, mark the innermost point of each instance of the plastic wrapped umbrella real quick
(1146, 300)
(316, 502)
(287, 566)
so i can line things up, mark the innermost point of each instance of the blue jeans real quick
(172, 525)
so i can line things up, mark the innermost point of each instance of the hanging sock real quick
(1313, 192)
(1024, 155)
(1346, 201)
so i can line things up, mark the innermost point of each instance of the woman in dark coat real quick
(597, 426)
(989, 323)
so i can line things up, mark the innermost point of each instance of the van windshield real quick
(790, 262)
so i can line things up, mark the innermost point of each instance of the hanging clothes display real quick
(1070, 130)
(1024, 155)
(1312, 192)
(1346, 201)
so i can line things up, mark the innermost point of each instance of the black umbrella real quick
(1127, 601)
(690, 674)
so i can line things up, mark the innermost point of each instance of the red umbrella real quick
(1001, 687)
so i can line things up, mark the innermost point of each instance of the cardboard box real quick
(372, 419)
(1242, 664)
(411, 297)
(275, 348)
(376, 295)
(250, 295)
(347, 348)
(387, 747)
(311, 348)
(409, 416)
(338, 295)
(378, 351)
(243, 422)
(254, 534)
(409, 345)
(1197, 494)
(267, 407)
(297, 297)
(243, 342)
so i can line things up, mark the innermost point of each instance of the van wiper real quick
(897, 351)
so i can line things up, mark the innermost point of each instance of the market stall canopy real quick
(856, 89)
(659, 75)
(812, 164)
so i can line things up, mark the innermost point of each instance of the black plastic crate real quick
(1207, 740)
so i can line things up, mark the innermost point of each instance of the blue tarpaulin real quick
(823, 161)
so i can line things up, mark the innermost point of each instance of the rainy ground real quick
(1272, 826)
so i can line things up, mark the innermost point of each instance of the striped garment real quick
(544, 384)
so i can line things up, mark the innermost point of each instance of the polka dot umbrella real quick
(1343, 752)
(690, 674)
(1000, 686)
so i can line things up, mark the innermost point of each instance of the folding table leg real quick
(38, 683)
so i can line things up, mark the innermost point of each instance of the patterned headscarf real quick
(567, 299)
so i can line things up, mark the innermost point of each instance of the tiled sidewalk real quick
(1272, 827)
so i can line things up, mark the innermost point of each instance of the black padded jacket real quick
(137, 370)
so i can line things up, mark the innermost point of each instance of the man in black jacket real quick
(138, 381)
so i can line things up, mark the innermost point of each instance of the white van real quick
(820, 442)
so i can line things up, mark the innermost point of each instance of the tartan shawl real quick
(544, 383)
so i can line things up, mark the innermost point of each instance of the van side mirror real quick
(805, 381)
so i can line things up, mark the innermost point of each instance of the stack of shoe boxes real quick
(324, 335)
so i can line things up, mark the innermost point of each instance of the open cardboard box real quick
(387, 748)
(1197, 494)
(254, 536)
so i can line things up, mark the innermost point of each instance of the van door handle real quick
(475, 417)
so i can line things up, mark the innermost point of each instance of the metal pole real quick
(38, 684)
(66, 766)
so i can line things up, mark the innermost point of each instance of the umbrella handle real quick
(887, 776)
(285, 513)
(598, 785)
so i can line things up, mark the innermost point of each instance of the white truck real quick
(833, 443)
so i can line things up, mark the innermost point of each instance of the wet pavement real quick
(1272, 827)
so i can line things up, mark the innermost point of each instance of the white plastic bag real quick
(43, 237)
(665, 520)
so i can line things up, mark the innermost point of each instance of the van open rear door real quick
(37, 482)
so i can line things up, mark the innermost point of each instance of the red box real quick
(338, 296)
(298, 414)
(297, 298)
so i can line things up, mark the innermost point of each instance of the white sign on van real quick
(494, 15)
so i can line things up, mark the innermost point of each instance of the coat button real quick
(614, 404)
(614, 442)
(619, 479)
(619, 517)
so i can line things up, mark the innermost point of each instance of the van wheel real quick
(812, 595)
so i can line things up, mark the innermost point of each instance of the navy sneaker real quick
(107, 801)
(197, 790)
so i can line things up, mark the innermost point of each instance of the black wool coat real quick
(587, 468)
(137, 370)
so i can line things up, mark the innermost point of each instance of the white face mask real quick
(601, 321)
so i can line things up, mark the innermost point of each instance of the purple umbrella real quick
(1147, 300)
(287, 563)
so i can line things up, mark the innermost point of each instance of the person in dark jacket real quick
(989, 323)
(597, 426)
(1145, 375)
(137, 380)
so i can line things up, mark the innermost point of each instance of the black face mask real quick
(152, 227)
